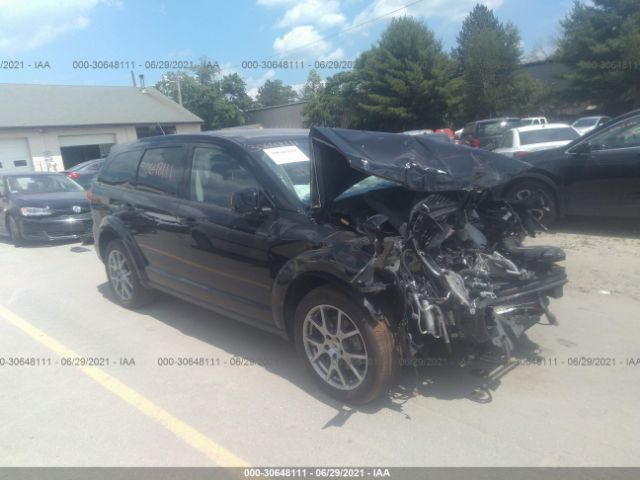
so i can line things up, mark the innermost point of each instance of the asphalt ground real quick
(568, 398)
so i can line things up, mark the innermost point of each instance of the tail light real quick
(475, 142)
(73, 175)
(519, 154)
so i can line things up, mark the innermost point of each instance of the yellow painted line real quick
(218, 454)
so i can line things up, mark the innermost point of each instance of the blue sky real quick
(229, 32)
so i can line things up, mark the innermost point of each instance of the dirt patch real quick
(603, 263)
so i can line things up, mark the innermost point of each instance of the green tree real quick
(218, 101)
(312, 87)
(333, 103)
(488, 79)
(599, 43)
(401, 80)
(274, 92)
(234, 89)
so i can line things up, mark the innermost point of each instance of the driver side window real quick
(216, 175)
(625, 134)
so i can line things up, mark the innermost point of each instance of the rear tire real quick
(539, 197)
(123, 279)
(14, 233)
(350, 355)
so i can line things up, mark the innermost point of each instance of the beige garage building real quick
(53, 127)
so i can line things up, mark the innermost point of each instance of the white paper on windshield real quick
(288, 154)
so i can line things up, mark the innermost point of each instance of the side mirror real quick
(246, 201)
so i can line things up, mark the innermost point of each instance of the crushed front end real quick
(464, 276)
(447, 254)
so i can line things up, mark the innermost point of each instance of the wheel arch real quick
(288, 298)
(540, 176)
(113, 229)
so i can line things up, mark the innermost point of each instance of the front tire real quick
(350, 355)
(538, 197)
(123, 279)
(14, 233)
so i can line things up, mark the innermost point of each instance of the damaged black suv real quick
(364, 248)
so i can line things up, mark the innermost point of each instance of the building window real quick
(20, 163)
(155, 130)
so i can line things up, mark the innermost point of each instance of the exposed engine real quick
(460, 269)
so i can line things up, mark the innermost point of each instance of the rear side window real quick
(548, 135)
(120, 169)
(468, 131)
(161, 170)
(507, 140)
(496, 128)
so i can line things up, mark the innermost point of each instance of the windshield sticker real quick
(288, 154)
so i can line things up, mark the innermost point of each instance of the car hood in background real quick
(55, 200)
(533, 147)
(342, 158)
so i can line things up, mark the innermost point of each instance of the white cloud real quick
(253, 84)
(25, 25)
(455, 10)
(301, 40)
(297, 87)
(322, 13)
(337, 54)
(305, 19)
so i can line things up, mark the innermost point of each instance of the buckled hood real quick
(342, 158)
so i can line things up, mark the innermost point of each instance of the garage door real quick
(14, 155)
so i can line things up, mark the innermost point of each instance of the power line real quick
(353, 27)
(343, 31)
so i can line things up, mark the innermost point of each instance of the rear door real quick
(152, 217)
(227, 252)
(606, 181)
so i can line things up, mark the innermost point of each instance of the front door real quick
(227, 252)
(606, 181)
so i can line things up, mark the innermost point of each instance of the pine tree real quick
(400, 82)
(600, 44)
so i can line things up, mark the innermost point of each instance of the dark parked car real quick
(84, 173)
(364, 248)
(487, 133)
(43, 206)
(597, 174)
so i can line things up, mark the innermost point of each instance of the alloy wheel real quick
(120, 275)
(538, 201)
(335, 347)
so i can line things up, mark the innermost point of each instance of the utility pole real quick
(166, 79)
